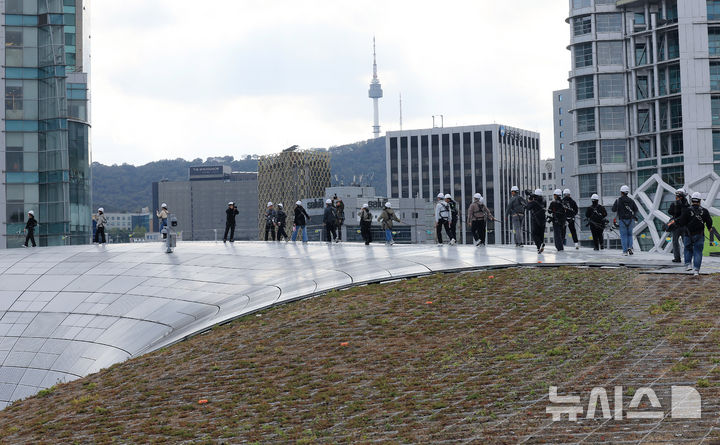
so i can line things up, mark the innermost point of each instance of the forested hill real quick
(128, 188)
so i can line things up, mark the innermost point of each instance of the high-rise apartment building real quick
(462, 161)
(44, 148)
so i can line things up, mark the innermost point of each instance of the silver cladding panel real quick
(66, 312)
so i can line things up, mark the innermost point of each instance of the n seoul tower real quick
(375, 93)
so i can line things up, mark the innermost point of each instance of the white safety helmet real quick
(538, 192)
(441, 196)
(388, 205)
(298, 203)
(696, 196)
(514, 189)
(680, 191)
(328, 201)
(163, 205)
(269, 204)
(365, 206)
(280, 205)
(31, 213)
(101, 210)
(448, 196)
(557, 192)
(566, 192)
(477, 196)
(231, 203)
(595, 197)
(624, 189)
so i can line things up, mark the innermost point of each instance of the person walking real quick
(571, 211)
(386, 219)
(676, 209)
(163, 215)
(300, 222)
(366, 224)
(597, 220)
(626, 213)
(329, 219)
(536, 208)
(516, 214)
(270, 216)
(230, 213)
(442, 219)
(340, 211)
(281, 222)
(30, 229)
(478, 216)
(695, 218)
(454, 216)
(557, 215)
(101, 222)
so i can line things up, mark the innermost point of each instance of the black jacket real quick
(31, 223)
(270, 217)
(695, 219)
(281, 217)
(596, 215)
(625, 207)
(301, 216)
(230, 215)
(571, 207)
(557, 211)
(329, 216)
(536, 209)
(677, 207)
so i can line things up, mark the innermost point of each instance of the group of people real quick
(276, 219)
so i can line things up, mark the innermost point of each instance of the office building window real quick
(394, 190)
(583, 55)
(613, 151)
(673, 45)
(674, 76)
(585, 120)
(560, 97)
(644, 175)
(587, 184)
(587, 153)
(608, 22)
(714, 41)
(562, 134)
(715, 104)
(579, 4)
(560, 111)
(611, 183)
(610, 53)
(611, 85)
(612, 118)
(584, 88)
(646, 149)
(582, 25)
(674, 176)
(404, 177)
(562, 146)
(560, 123)
(713, 9)
(715, 76)
(676, 113)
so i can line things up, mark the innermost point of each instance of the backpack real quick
(453, 209)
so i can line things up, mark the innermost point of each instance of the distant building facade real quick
(287, 177)
(462, 161)
(200, 202)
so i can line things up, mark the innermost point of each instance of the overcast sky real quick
(182, 78)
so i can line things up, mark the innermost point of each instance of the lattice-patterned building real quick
(289, 176)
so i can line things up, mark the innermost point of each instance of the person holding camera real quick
(694, 219)
(386, 218)
(571, 210)
(478, 217)
(442, 219)
(626, 211)
(330, 219)
(340, 212)
(230, 213)
(558, 217)
(536, 209)
(676, 209)
(597, 220)
(281, 222)
(516, 213)
(270, 216)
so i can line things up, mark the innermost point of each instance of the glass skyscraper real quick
(46, 149)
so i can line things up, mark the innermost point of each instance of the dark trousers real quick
(330, 233)
(338, 230)
(538, 234)
(453, 229)
(677, 235)
(438, 230)
(229, 228)
(99, 235)
(269, 229)
(559, 234)
(573, 230)
(597, 236)
(365, 231)
(478, 230)
(281, 233)
(30, 236)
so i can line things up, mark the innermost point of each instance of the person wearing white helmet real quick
(162, 214)
(386, 218)
(626, 213)
(454, 216)
(281, 222)
(516, 214)
(571, 211)
(478, 216)
(300, 221)
(556, 213)
(340, 212)
(101, 220)
(442, 218)
(536, 208)
(597, 220)
(230, 213)
(30, 229)
(366, 224)
(675, 211)
(694, 219)
(330, 219)
(270, 216)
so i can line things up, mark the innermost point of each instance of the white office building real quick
(462, 161)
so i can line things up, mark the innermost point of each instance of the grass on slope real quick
(441, 358)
